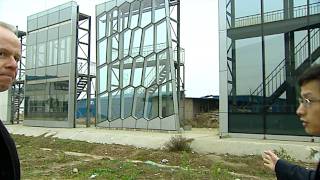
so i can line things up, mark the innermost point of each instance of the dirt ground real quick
(51, 158)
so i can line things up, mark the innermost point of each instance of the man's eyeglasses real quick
(307, 102)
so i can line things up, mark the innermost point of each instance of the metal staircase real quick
(276, 82)
(82, 82)
(17, 99)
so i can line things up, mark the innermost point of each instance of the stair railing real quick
(278, 76)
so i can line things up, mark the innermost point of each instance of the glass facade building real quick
(50, 85)
(264, 46)
(136, 80)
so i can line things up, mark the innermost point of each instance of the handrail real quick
(280, 68)
(277, 15)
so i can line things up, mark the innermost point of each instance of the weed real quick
(283, 154)
(314, 154)
(185, 161)
(218, 172)
(178, 143)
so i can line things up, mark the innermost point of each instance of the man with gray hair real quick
(10, 54)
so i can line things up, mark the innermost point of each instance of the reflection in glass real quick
(134, 10)
(102, 26)
(115, 47)
(150, 76)
(103, 79)
(160, 12)
(148, 41)
(50, 53)
(103, 107)
(138, 71)
(41, 55)
(161, 38)
(115, 20)
(34, 57)
(68, 49)
(136, 42)
(124, 15)
(166, 99)
(146, 8)
(115, 105)
(62, 50)
(108, 25)
(127, 66)
(102, 52)
(164, 67)
(139, 100)
(47, 100)
(55, 52)
(126, 42)
(152, 102)
(127, 101)
(115, 79)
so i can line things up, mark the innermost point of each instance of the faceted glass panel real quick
(102, 26)
(102, 52)
(103, 107)
(115, 72)
(148, 41)
(134, 10)
(146, 9)
(150, 75)
(103, 79)
(139, 99)
(164, 67)
(115, 105)
(138, 67)
(115, 47)
(161, 38)
(160, 11)
(136, 42)
(126, 36)
(127, 66)
(152, 103)
(137, 62)
(115, 20)
(124, 15)
(166, 99)
(127, 101)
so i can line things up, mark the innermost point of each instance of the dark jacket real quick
(9, 160)
(287, 171)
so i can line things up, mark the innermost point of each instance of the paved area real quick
(205, 140)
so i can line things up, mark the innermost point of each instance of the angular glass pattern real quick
(139, 58)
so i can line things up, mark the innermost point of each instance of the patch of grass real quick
(53, 163)
(178, 143)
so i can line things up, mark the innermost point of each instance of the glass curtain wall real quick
(135, 72)
(50, 65)
(264, 58)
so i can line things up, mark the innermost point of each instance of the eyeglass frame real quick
(306, 102)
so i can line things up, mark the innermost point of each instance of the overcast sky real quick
(199, 36)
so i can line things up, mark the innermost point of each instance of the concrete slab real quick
(205, 140)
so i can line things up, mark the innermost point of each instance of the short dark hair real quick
(312, 73)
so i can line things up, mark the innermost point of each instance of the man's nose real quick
(300, 110)
(11, 63)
